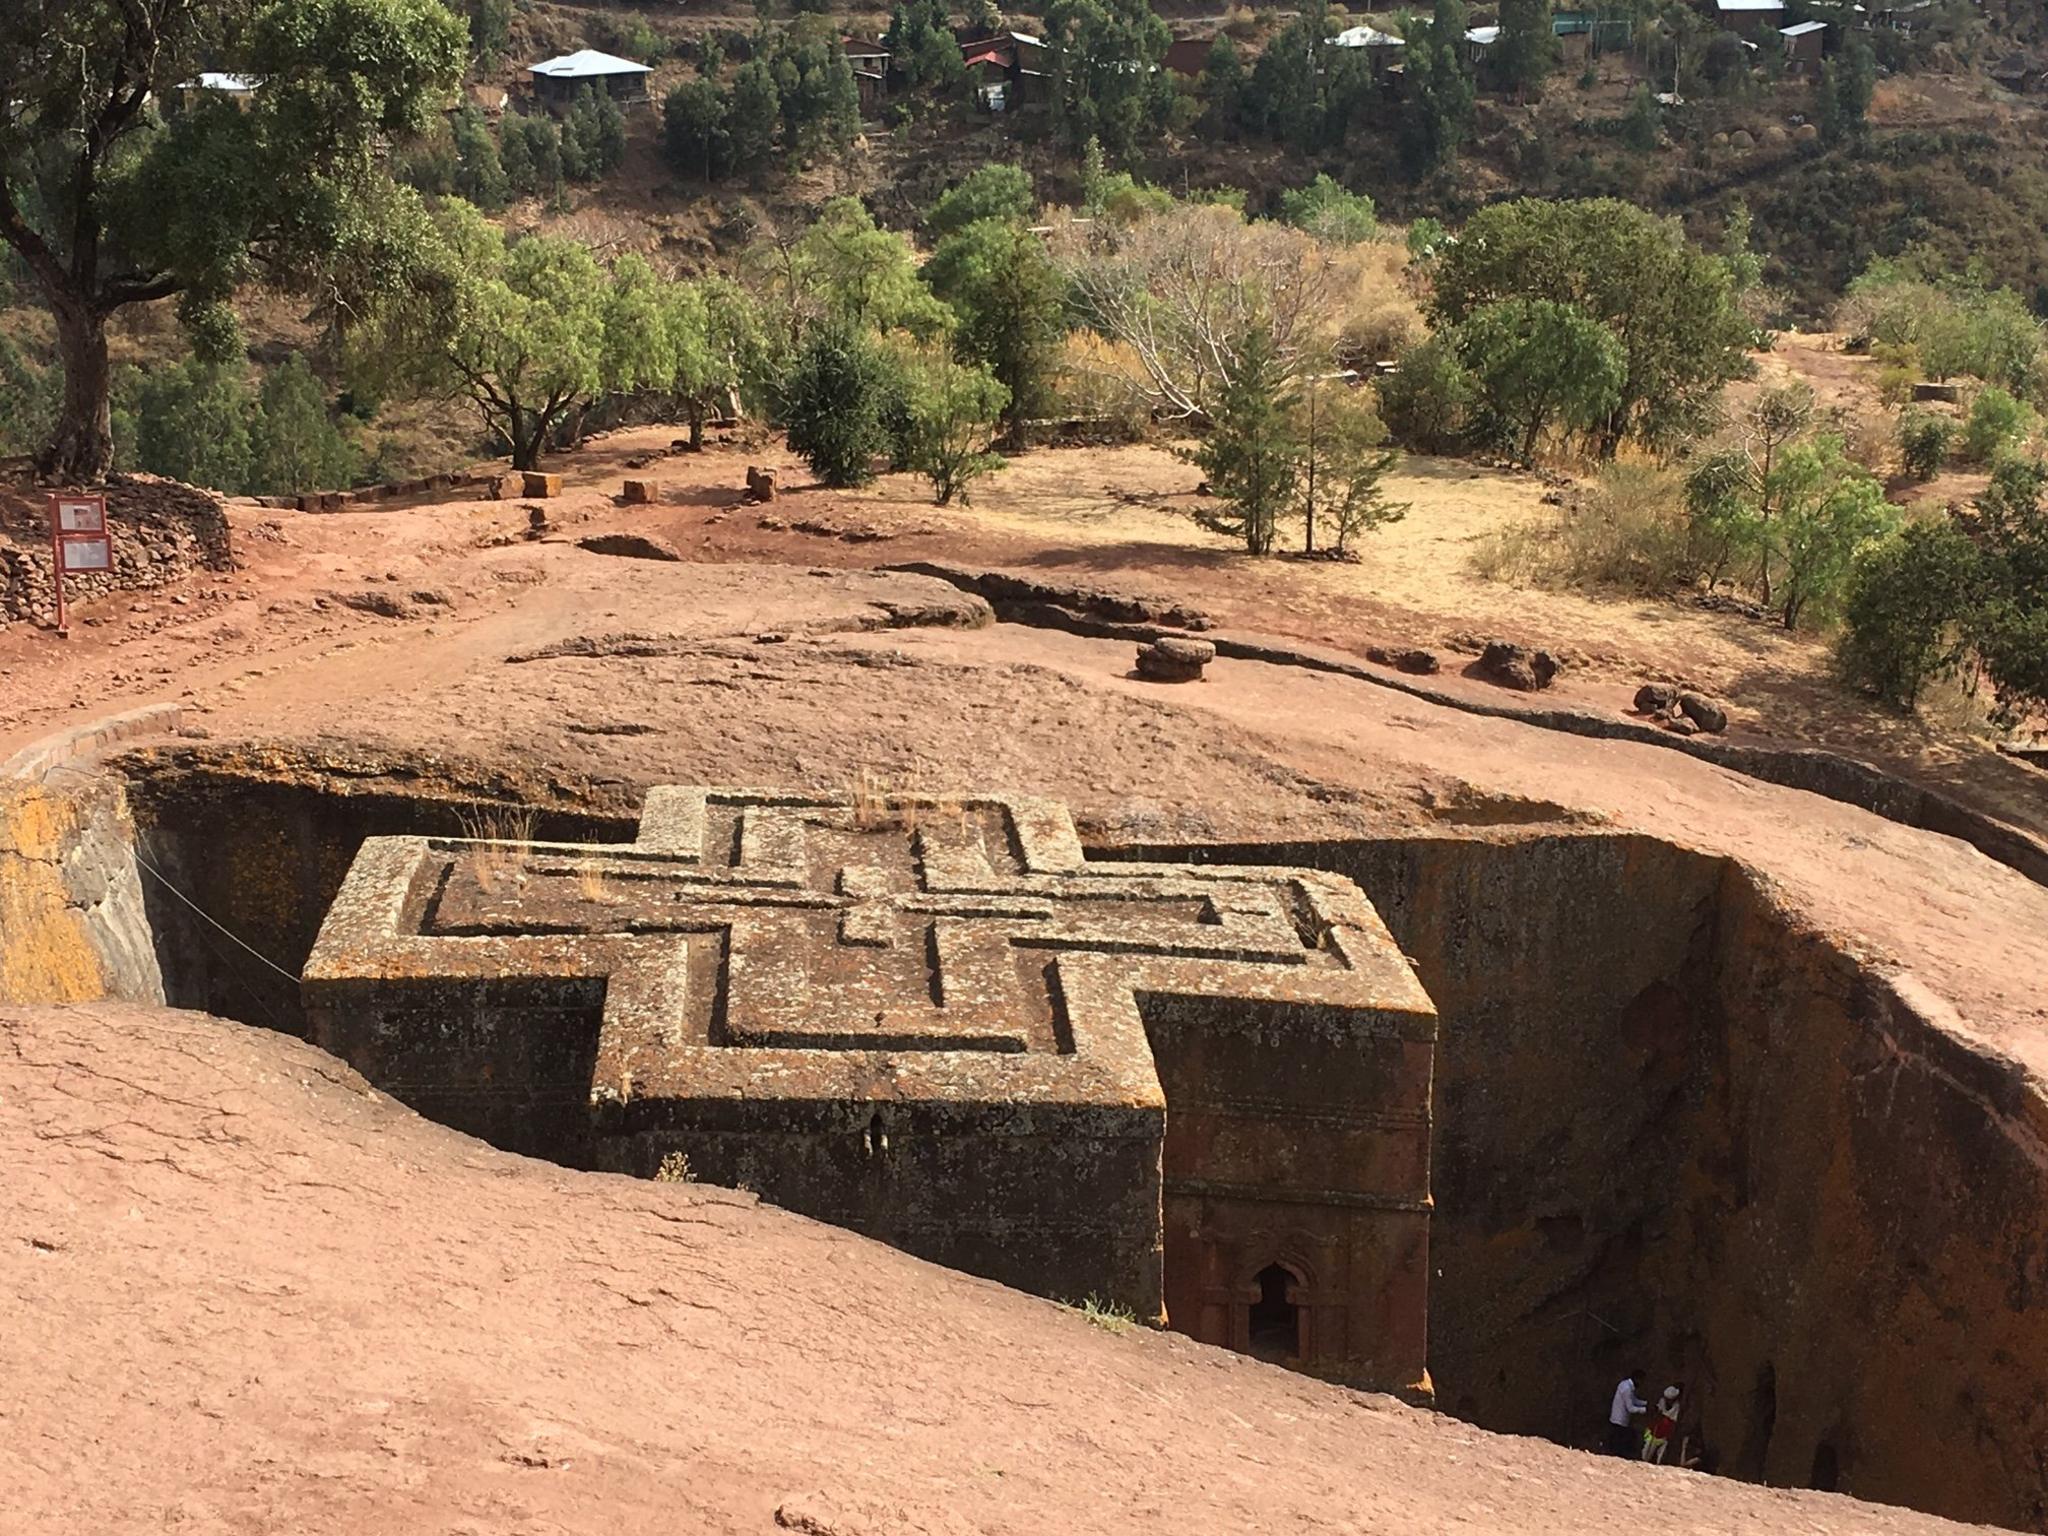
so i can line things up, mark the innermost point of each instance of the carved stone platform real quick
(1202, 1089)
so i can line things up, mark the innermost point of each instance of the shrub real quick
(1327, 210)
(1427, 400)
(1995, 422)
(953, 409)
(835, 401)
(1908, 599)
(1924, 442)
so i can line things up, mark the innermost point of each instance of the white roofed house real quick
(1751, 19)
(1805, 42)
(239, 89)
(556, 81)
(1382, 48)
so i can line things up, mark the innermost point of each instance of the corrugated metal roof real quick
(1751, 5)
(211, 80)
(587, 64)
(1485, 37)
(1803, 29)
(1366, 37)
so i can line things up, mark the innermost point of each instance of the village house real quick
(1006, 71)
(1749, 19)
(1804, 44)
(556, 81)
(869, 61)
(240, 89)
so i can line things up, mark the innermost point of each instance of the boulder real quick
(1418, 662)
(760, 483)
(634, 546)
(1655, 698)
(1708, 714)
(1517, 666)
(1175, 660)
(538, 485)
(642, 492)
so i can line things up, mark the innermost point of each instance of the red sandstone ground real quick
(244, 1293)
(306, 1370)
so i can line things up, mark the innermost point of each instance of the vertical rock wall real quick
(73, 927)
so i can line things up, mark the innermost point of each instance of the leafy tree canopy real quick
(110, 201)
(1670, 305)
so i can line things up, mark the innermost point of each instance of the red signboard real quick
(79, 542)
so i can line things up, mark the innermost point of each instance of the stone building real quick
(1202, 1093)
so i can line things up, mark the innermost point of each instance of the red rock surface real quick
(245, 1294)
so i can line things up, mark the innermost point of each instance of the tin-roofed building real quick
(556, 81)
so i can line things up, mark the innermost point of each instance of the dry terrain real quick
(555, 1351)
(211, 1328)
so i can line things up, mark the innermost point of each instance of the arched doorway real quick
(1276, 1315)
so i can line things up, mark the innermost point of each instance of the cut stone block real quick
(539, 486)
(1195, 1091)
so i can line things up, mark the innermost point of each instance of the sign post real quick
(79, 543)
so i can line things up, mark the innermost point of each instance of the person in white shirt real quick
(1621, 1434)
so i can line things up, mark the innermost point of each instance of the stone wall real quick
(1677, 1128)
(74, 925)
(163, 531)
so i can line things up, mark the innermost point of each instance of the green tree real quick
(108, 204)
(1010, 299)
(1440, 93)
(1251, 455)
(192, 424)
(815, 85)
(1526, 52)
(845, 268)
(1429, 397)
(518, 328)
(1106, 80)
(953, 409)
(1831, 510)
(1344, 457)
(716, 342)
(1330, 212)
(1996, 421)
(1539, 364)
(1924, 442)
(294, 443)
(1643, 124)
(755, 113)
(532, 155)
(922, 51)
(694, 135)
(1671, 305)
(29, 395)
(1909, 610)
(490, 32)
(989, 192)
(1222, 86)
(1847, 83)
(479, 172)
(834, 402)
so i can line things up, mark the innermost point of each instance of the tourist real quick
(1621, 1434)
(1663, 1424)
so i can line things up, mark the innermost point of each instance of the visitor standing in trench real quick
(1662, 1426)
(1621, 1413)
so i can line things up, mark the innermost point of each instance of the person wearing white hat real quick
(1662, 1424)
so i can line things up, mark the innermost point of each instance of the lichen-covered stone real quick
(938, 1023)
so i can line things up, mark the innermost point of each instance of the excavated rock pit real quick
(1675, 1126)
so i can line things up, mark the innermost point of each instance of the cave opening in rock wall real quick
(1671, 1126)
